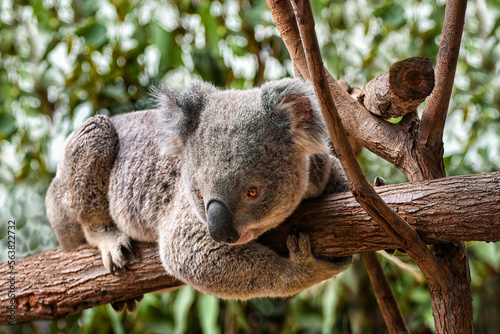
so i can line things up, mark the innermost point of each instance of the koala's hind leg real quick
(83, 179)
(69, 232)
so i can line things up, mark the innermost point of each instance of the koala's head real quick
(244, 154)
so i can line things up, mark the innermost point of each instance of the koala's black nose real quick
(220, 223)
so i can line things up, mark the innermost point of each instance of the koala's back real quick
(143, 181)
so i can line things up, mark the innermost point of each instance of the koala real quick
(203, 175)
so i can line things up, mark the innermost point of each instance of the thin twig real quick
(385, 297)
(383, 293)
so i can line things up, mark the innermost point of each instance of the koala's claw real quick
(113, 263)
(118, 306)
(113, 256)
(129, 304)
(130, 249)
(300, 252)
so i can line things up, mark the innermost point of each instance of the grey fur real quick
(139, 176)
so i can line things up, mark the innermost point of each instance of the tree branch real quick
(392, 223)
(392, 142)
(452, 298)
(417, 151)
(400, 90)
(385, 297)
(383, 293)
(452, 209)
(430, 137)
(56, 283)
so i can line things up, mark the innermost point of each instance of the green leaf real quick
(495, 26)
(395, 120)
(34, 242)
(114, 92)
(42, 13)
(165, 42)
(488, 252)
(84, 9)
(95, 34)
(212, 31)
(182, 304)
(7, 125)
(392, 15)
(52, 44)
(420, 296)
(208, 308)
(3, 231)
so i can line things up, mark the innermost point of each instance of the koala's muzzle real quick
(220, 223)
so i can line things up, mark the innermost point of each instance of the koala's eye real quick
(252, 192)
(198, 193)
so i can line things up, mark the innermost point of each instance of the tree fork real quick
(413, 146)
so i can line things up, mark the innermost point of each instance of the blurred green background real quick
(63, 61)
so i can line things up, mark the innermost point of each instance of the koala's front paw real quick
(300, 253)
(112, 251)
(300, 248)
(112, 243)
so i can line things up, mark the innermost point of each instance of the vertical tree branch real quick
(385, 297)
(385, 139)
(284, 18)
(448, 316)
(430, 138)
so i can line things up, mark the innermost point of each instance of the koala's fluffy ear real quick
(180, 111)
(294, 105)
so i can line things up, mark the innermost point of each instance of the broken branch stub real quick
(400, 90)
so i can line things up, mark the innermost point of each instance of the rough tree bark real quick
(383, 292)
(56, 283)
(452, 298)
(400, 90)
(413, 146)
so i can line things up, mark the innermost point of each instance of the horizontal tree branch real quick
(447, 210)
(57, 283)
